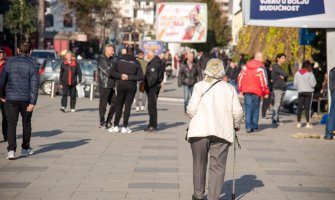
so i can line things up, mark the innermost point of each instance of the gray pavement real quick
(76, 160)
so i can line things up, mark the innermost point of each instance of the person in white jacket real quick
(215, 113)
(305, 81)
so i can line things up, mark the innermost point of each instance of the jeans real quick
(279, 94)
(13, 108)
(251, 107)
(187, 95)
(107, 95)
(152, 105)
(330, 127)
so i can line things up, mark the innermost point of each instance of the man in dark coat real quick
(330, 128)
(69, 71)
(19, 83)
(152, 80)
(106, 87)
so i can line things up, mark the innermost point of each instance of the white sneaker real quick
(11, 155)
(309, 126)
(125, 130)
(73, 110)
(137, 108)
(299, 125)
(114, 129)
(62, 109)
(142, 108)
(27, 152)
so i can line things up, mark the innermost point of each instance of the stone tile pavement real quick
(76, 160)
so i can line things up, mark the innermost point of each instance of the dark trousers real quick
(107, 95)
(266, 104)
(12, 109)
(304, 103)
(73, 93)
(4, 121)
(152, 105)
(126, 91)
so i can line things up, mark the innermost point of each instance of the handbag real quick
(200, 98)
(141, 86)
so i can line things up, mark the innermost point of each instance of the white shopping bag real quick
(80, 91)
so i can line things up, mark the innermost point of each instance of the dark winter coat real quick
(189, 77)
(154, 73)
(277, 82)
(19, 80)
(105, 66)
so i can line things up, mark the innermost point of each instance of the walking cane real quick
(233, 197)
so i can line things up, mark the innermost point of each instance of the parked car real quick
(290, 100)
(50, 71)
(41, 54)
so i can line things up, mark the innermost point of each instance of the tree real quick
(41, 23)
(20, 18)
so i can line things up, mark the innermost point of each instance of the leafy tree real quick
(20, 18)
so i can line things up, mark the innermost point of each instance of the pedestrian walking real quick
(279, 79)
(152, 84)
(70, 77)
(211, 129)
(267, 101)
(106, 87)
(252, 83)
(19, 83)
(304, 81)
(330, 127)
(188, 76)
(232, 73)
(141, 97)
(2, 104)
(127, 72)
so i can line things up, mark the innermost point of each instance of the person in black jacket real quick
(19, 83)
(330, 127)
(279, 78)
(267, 101)
(106, 87)
(2, 104)
(152, 83)
(69, 71)
(127, 72)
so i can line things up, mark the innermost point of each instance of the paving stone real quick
(275, 160)
(305, 189)
(13, 185)
(288, 172)
(23, 169)
(154, 170)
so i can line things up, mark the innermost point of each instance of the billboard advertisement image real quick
(290, 13)
(181, 22)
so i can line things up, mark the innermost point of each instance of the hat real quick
(215, 68)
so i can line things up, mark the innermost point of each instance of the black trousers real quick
(107, 95)
(126, 91)
(304, 103)
(266, 104)
(12, 110)
(73, 93)
(4, 121)
(152, 105)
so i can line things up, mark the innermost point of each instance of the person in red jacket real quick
(253, 84)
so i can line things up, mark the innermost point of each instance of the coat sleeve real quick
(240, 78)
(138, 76)
(3, 82)
(61, 74)
(79, 73)
(34, 83)
(153, 74)
(280, 71)
(194, 102)
(264, 82)
(115, 72)
(295, 81)
(102, 67)
(180, 76)
(237, 110)
(312, 80)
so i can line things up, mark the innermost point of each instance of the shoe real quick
(274, 124)
(62, 109)
(27, 152)
(194, 198)
(114, 129)
(137, 108)
(298, 125)
(102, 126)
(125, 130)
(309, 126)
(142, 108)
(264, 119)
(108, 125)
(11, 155)
(150, 129)
(327, 138)
(249, 130)
(73, 110)
(280, 123)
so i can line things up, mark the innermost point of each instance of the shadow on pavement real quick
(243, 186)
(61, 146)
(87, 110)
(164, 125)
(45, 133)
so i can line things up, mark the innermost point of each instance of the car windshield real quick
(42, 54)
(54, 64)
(88, 66)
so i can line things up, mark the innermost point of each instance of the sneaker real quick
(309, 126)
(11, 155)
(142, 108)
(62, 109)
(299, 125)
(102, 126)
(27, 152)
(73, 110)
(125, 130)
(137, 108)
(114, 129)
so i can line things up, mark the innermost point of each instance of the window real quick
(67, 20)
(49, 20)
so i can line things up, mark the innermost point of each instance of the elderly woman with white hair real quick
(215, 113)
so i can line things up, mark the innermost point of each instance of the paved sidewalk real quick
(76, 160)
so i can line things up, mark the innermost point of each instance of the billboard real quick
(290, 13)
(153, 45)
(181, 22)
